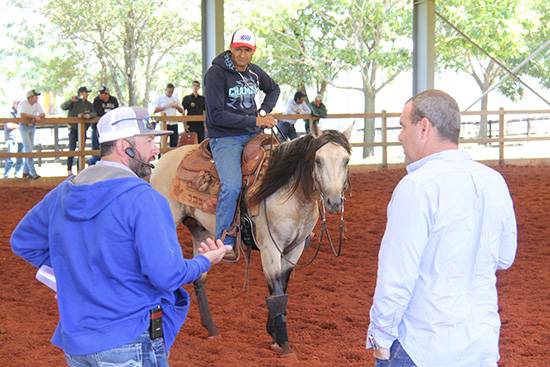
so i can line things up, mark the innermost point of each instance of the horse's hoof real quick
(212, 337)
(276, 348)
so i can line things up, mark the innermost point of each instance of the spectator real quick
(77, 106)
(295, 106)
(31, 110)
(233, 119)
(112, 243)
(103, 103)
(14, 144)
(451, 226)
(169, 104)
(318, 109)
(194, 105)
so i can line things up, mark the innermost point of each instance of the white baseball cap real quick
(243, 37)
(125, 122)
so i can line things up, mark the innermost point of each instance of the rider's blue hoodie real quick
(113, 247)
(229, 94)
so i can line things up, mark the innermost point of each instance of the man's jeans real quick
(143, 352)
(13, 147)
(27, 135)
(398, 357)
(227, 153)
(287, 129)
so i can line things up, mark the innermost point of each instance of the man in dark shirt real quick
(194, 105)
(103, 103)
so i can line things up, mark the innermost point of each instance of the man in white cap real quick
(233, 119)
(111, 241)
(33, 112)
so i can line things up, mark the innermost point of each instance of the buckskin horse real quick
(300, 173)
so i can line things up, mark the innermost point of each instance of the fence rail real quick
(81, 152)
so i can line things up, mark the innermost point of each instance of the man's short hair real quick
(442, 111)
(106, 148)
(170, 86)
(196, 82)
(299, 94)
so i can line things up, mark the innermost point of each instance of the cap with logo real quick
(103, 89)
(83, 89)
(299, 94)
(243, 37)
(33, 92)
(125, 122)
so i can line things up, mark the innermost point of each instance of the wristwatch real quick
(262, 113)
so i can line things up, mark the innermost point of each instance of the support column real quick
(424, 45)
(212, 31)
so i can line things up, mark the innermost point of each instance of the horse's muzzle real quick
(333, 203)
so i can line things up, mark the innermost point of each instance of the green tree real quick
(133, 41)
(497, 26)
(540, 66)
(373, 39)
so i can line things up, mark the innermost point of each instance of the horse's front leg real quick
(277, 309)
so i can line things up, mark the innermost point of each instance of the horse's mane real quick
(292, 162)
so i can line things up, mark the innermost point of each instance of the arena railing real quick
(81, 152)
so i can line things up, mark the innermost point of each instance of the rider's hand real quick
(265, 121)
(214, 251)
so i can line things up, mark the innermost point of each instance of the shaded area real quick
(328, 301)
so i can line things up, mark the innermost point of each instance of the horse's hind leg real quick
(206, 316)
(199, 233)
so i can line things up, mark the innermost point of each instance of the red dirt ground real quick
(328, 301)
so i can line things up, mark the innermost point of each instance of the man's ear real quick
(426, 127)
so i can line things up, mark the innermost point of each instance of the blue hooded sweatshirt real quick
(230, 106)
(113, 247)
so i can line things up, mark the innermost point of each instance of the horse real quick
(300, 173)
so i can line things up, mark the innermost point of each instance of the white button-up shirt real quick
(451, 225)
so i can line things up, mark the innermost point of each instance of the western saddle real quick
(197, 183)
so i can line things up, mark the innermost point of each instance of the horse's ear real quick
(316, 130)
(348, 131)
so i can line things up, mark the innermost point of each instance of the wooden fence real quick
(81, 151)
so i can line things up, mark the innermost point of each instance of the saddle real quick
(197, 183)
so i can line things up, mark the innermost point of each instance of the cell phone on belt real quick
(155, 326)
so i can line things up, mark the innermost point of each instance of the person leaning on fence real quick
(77, 106)
(112, 243)
(233, 119)
(195, 106)
(295, 106)
(14, 144)
(103, 103)
(31, 110)
(318, 109)
(169, 105)
(451, 226)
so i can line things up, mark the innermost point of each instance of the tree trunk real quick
(483, 117)
(368, 125)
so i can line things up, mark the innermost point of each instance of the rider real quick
(233, 119)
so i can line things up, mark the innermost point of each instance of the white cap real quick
(125, 122)
(243, 37)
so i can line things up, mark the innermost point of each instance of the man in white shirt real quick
(451, 226)
(33, 112)
(169, 104)
(295, 106)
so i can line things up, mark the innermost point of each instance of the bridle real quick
(324, 227)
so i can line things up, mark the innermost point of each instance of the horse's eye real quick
(318, 162)
(346, 162)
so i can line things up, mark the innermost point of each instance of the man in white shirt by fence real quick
(451, 226)
(169, 104)
(33, 112)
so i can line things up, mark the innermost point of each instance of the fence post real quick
(81, 144)
(56, 141)
(163, 138)
(384, 139)
(501, 136)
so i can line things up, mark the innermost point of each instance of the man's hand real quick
(37, 118)
(74, 99)
(266, 121)
(382, 353)
(214, 251)
(86, 116)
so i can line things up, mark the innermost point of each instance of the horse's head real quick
(330, 171)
